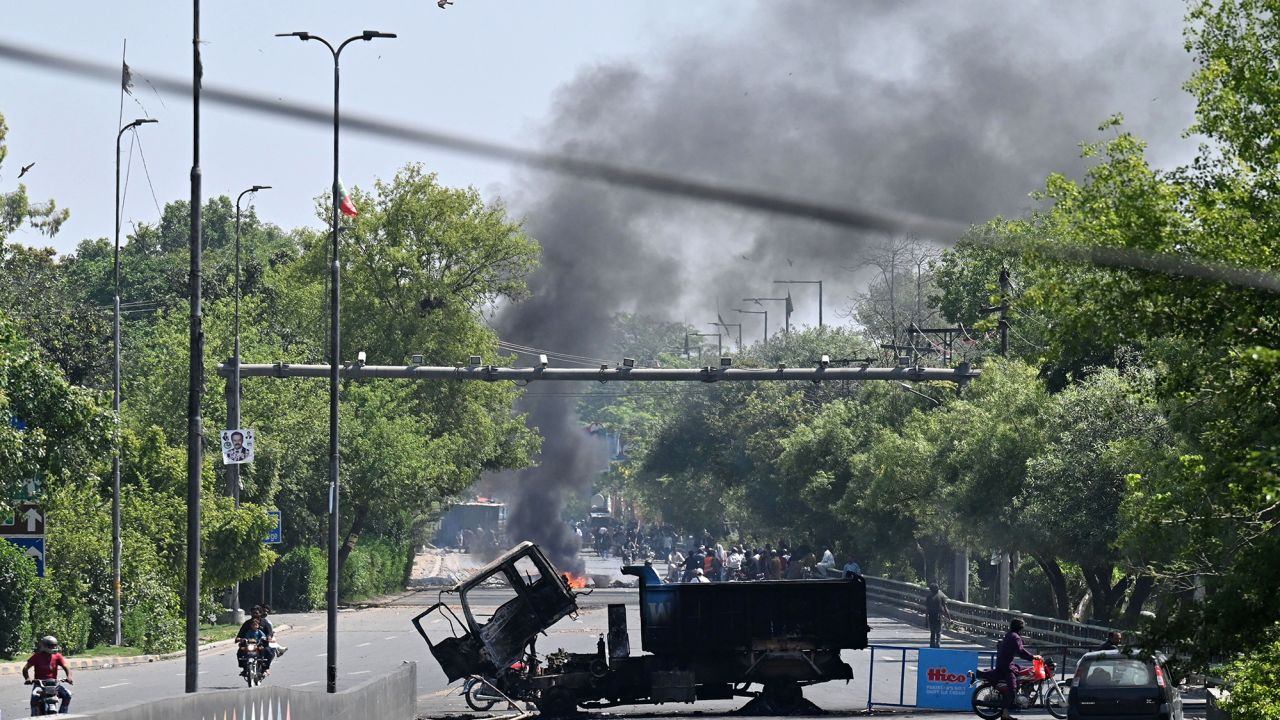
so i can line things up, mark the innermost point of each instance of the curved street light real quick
(334, 359)
(233, 399)
(116, 546)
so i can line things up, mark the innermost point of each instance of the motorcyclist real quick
(45, 662)
(1007, 650)
(274, 648)
(251, 633)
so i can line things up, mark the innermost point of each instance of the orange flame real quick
(575, 582)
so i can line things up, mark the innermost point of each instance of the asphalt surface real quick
(379, 638)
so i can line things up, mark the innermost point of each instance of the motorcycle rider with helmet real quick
(1009, 649)
(45, 662)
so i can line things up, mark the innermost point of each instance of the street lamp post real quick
(786, 308)
(726, 327)
(334, 359)
(914, 391)
(717, 336)
(116, 546)
(765, 313)
(806, 282)
(233, 399)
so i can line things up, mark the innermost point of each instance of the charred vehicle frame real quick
(701, 641)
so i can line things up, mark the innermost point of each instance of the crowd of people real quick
(705, 557)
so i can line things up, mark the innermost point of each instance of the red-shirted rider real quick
(45, 662)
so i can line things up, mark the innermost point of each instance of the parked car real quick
(1111, 684)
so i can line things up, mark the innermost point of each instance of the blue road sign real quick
(32, 547)
(274, 535)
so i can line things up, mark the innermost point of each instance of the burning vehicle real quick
(707, 641)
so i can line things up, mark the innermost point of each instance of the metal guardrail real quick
(908, 654)
(987, 621)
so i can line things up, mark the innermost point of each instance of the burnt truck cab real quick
(703, 641)
(538, 597)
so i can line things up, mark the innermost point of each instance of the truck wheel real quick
(783, 696)
(557, 702)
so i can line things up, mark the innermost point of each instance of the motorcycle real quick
(251, 661)
(1035, 686)
(482, 693)
(46, 698)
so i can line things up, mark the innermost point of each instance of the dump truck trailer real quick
(699, 641)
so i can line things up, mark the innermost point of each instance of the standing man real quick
(1113, 641)
(935, 610)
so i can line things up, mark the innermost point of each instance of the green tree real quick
(16, 208)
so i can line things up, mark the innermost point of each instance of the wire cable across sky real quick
(850, 217)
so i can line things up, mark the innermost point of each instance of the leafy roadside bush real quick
(300, 580)
(66, 618)
(152, 619)
(375, 567)
(1254, 680)
(17, 581)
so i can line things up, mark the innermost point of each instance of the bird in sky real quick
(442, 3)
(789, 263)
(25, 168)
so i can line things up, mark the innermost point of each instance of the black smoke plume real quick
(951, 110)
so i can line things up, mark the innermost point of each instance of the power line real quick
(148, 173)
(128, 169)
(856, 218)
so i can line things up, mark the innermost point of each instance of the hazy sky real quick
(485, 68)
(951, 109)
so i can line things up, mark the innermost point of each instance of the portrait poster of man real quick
(237, 446)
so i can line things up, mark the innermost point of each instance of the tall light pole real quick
(806, 282)
(233, 400)
(195, 374)
(717, 336)
(726, 327)
(116, 546)
(786, 309)
(335, 356)
(765, 313)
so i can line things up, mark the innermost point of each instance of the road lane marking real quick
(106, 687)
(360, 672)
(390, 637)
(364, 644)
(322, 654)
(311, 682)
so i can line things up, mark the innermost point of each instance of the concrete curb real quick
(100, 663)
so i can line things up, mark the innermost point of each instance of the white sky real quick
(482, 68)
(491, 69)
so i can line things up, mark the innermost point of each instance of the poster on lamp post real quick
(237, 446)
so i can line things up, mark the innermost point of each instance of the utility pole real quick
(1004, 312)
(1003, 309)
(807, 282)
(765, 313)
(117, 546)
(335, 355)
(726, 327)
(786, 309)
(719, 344)
(195, 375)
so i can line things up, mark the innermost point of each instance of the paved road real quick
(378, 638)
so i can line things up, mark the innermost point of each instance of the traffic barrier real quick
(899, 664)
(392, 696)
(986, 621)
